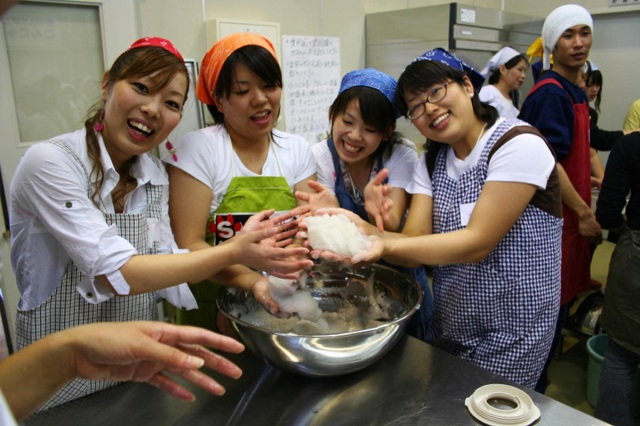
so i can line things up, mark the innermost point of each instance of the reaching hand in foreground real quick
(374, 249)
(144, 351)
(376, 199)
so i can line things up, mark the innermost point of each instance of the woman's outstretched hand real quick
(264, 244)
(377, 202)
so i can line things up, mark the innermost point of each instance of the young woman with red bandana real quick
(91, 239)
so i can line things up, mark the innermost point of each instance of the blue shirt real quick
(550, 110)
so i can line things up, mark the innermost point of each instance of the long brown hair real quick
(133, 63)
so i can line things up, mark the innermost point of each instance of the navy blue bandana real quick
(440, 55)
(375, 79)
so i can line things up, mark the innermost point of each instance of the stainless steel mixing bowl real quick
(324, 355)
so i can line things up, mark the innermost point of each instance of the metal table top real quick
(415, 383)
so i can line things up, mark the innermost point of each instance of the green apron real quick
(245, 196)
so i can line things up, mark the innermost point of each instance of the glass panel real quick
(56, 63)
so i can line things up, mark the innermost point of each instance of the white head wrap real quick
(557, 22)
(503, 56)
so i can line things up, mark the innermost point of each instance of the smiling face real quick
(251, 108)
(138, 118)
(451, 120)
(514, 76)
(354, 139)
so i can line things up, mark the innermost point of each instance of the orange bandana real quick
(215, 58)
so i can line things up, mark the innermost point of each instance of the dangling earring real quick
(171, 150)
(99, 126)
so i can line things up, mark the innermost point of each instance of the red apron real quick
(576, 258)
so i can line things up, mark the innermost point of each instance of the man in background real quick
(559, 108)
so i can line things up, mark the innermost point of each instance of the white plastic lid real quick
(497, 405)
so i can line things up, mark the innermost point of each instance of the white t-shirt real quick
(400, 164)
(491, 95)
(207, 155)
(525, 159)
(46, 234)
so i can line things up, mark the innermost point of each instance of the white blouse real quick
(53, 221)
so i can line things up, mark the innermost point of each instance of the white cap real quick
(503, 56)
(557, 22)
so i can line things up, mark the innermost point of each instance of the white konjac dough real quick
(349, 317)
(284, 293)
(336, 234)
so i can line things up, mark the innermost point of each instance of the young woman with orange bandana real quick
(222, 174)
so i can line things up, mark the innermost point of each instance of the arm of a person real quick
(399, 199)
(589, 227)
(420, 218)
(385, 205)
(603, 140)
(130, 351)
(597, 169)
(306, 170)
(615, 187)
(499, 206)
(152, 272)
(189, 209)
(303, 186)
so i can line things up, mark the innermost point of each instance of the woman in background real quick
(601, 140)
(222, 174)
(506, 71)
(364, 147)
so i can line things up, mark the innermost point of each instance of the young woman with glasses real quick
(486, 212)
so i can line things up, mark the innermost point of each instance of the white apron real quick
(65, 308)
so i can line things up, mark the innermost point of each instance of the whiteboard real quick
(311, 74)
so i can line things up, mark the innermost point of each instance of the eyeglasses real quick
(437, 94)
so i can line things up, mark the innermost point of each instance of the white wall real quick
(614, 50)
(183, 22)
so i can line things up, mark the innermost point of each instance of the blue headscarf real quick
(440, 55)
(374, 79)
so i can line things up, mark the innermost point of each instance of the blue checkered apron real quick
(65, 308)
(499, 313)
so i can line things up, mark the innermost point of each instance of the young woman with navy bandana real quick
(364, 148)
